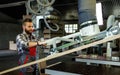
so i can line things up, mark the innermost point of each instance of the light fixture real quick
(99, 13)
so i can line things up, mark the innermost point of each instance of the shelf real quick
(98, 59)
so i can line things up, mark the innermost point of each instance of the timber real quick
(110, 38)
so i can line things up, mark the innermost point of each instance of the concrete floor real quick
(7, 62)
(68, 66)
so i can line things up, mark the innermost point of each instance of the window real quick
(71, 28)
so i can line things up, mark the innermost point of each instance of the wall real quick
(8, 31)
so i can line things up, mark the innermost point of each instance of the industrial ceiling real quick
(17, 11)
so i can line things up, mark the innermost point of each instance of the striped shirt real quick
(22, 41)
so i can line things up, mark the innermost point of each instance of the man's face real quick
(28, 27)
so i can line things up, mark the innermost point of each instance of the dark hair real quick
(26, 20)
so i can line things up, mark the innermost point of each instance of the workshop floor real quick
(68, 65)
(82, 69)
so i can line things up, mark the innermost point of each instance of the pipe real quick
(49, 9)
(12, 4)
(39, 11)
(47, 3)
(57, 27)
(87, 18)
(86, 10)
(110, 23)
(43, 12)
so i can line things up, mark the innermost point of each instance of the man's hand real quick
(42, 43)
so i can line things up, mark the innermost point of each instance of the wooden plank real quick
(62, 53)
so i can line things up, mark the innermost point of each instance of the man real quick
(26, 46)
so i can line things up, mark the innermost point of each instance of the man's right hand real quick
(42, 43)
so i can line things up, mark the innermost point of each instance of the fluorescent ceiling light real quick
(99, 13)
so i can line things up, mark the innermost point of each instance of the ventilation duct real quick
(87, 18)
(86, 10)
